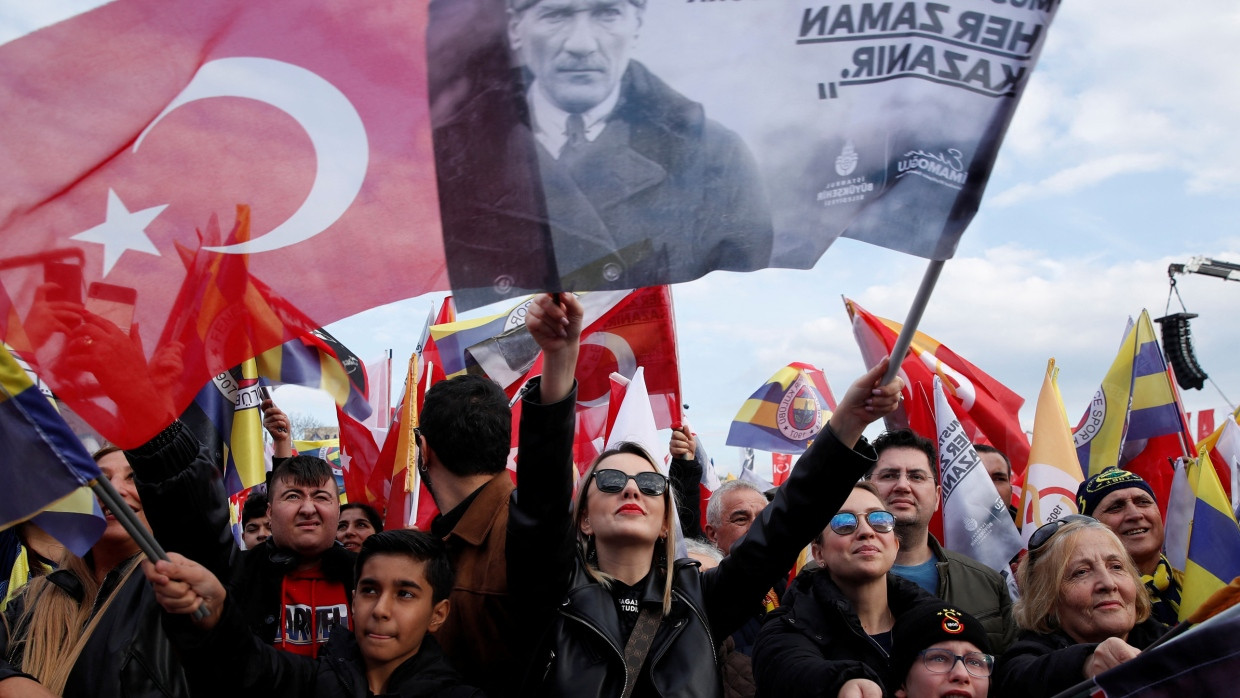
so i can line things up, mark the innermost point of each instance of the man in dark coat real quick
(627, 178)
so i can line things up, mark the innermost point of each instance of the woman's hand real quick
(1109, 654)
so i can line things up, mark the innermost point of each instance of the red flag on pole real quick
(988, 411)
(128, 127)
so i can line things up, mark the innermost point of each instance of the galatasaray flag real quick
(41, 462)
(786, 413)
(1213, 541)
(1054, 472)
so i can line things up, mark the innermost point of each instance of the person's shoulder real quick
(965, 563)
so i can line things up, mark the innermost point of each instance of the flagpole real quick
(102, 487)
(920, 301)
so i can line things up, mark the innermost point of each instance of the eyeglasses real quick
(1041, 536)
(648, 483)
(845, 523)
(941, 661)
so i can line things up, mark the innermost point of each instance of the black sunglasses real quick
(845, 523)
(1043, 535)
(611, 481)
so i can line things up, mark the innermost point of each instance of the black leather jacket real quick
(128, 654)
(581, 646)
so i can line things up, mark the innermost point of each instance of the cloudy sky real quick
(1122, 159)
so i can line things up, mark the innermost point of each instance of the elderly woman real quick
(1083, 610)
(613, 612)
(832, 636)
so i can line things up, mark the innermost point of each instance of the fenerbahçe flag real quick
(786, 413)
(42, 461)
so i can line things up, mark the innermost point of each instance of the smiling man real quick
(907, 477)
(1126, 504)
(404, 578)
(630, 180)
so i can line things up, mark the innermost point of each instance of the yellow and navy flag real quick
(319, 360)
(786, 413)
(1134, 402)
(1213, 539)
(42, 463)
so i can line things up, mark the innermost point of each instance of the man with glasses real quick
(907, 477)
(1126, 504)
(938, 649)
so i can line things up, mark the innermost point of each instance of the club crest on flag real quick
(800, 413)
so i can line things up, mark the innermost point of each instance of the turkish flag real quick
(987, 409)
(128, 128)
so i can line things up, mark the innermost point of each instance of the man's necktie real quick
(575, 129)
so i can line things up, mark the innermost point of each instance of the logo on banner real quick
(846, 161)
(846, 191)
(944, 167)
(799, 412)
(1091, 423)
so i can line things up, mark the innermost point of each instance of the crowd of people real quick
(557, 586)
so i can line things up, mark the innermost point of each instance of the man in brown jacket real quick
(464, 441)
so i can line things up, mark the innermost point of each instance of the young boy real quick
(404, 579)
(939, 650)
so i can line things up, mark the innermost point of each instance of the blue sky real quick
(1122, 158)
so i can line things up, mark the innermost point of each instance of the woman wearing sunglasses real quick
(832, 635)
(1083, 610)
(616, 614)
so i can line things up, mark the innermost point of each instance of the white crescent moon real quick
(333, 125)
(626, 362)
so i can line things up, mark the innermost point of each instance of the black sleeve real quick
(231, 660)
(183, 498)
(1035, 667)
(815, 490)
(539, 541)
(686, 478)
(787, 663)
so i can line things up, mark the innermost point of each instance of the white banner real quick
(591, 144)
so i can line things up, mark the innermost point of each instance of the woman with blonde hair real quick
(1083, 610)
(613, 612)
(92, 628)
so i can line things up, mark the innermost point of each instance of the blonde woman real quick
(614, 613)
(92, 628)
(1083, 610)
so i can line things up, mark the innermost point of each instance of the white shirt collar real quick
(550, 122)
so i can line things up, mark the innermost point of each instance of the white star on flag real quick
(122, 230)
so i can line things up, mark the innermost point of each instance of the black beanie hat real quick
(1091, 492)
(928, 624)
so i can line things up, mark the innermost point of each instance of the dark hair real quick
(907, 438)
(303, 470)
(987, 448)
(418, 546)
(255, 507)
(467, 422)
(370, 513)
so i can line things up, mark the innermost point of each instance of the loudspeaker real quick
(1178, 344)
